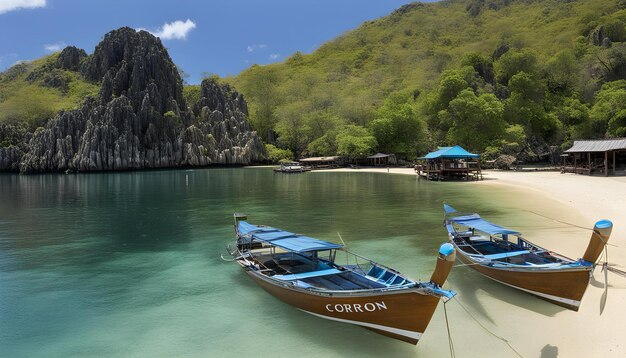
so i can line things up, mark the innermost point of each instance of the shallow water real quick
(128, 264)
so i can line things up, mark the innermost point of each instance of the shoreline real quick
(575, 202)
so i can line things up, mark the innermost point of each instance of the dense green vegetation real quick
(497, 76)
(33, 92)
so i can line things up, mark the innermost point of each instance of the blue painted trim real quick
(604, 224)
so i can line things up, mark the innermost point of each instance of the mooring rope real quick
(450, 343)
(559, 221)
(615, 270)
(485, 328)
(570, 224)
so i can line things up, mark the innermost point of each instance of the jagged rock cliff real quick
(139, 119)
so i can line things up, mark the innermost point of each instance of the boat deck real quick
(504, 251)
(323, 275)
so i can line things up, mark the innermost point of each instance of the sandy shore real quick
(538, 328)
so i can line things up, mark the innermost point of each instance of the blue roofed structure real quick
(284, 239)
(476, 222)
(449, 163)
(456, 152)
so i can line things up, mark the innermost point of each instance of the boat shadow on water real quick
(469, 283)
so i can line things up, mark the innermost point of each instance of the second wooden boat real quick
(505, 256)
(304, 272)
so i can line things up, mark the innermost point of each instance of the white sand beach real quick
(533, 327)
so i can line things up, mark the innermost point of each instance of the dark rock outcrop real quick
(70, 58)
(504, 162)
(499, 51)
(139, 119)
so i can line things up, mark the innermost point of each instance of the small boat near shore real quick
(304, 272)
(505, 256)
(291, 168)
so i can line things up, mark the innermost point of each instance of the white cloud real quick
(274, 56)
(252, 48)
(57, 46)
(10, 5)
(176, 30)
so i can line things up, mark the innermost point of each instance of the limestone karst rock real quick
(140, 119)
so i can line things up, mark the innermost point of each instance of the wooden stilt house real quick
(449, 163)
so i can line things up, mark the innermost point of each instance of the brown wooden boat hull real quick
(562, 287)
(403, 314)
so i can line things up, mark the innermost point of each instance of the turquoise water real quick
(128, 264)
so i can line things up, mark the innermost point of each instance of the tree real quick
(617, 125)
(561, 73)
(452, 82)
(606, 114)
(513, 62)
(475, 121)
(525, 106)
(322, 131)
(276, 155)
(574, 115)
(261, 90)
(398, 129)
(291, 127)
(324, 145)
(355, 141)
(481, 64)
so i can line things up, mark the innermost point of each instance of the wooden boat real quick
(505, 256)
(304, 272)
(291, 168)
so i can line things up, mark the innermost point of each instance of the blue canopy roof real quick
(478, 223)
(450, 152)
(284, 239)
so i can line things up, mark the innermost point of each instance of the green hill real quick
(498, 76)
(33, 92)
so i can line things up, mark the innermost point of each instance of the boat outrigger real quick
(303, 272)
(505, 256)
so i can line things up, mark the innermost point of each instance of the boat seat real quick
(343, 282)
(506, 254)
(309, 274)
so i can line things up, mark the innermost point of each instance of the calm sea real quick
(128, 264)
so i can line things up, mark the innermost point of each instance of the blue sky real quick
(216, 36)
